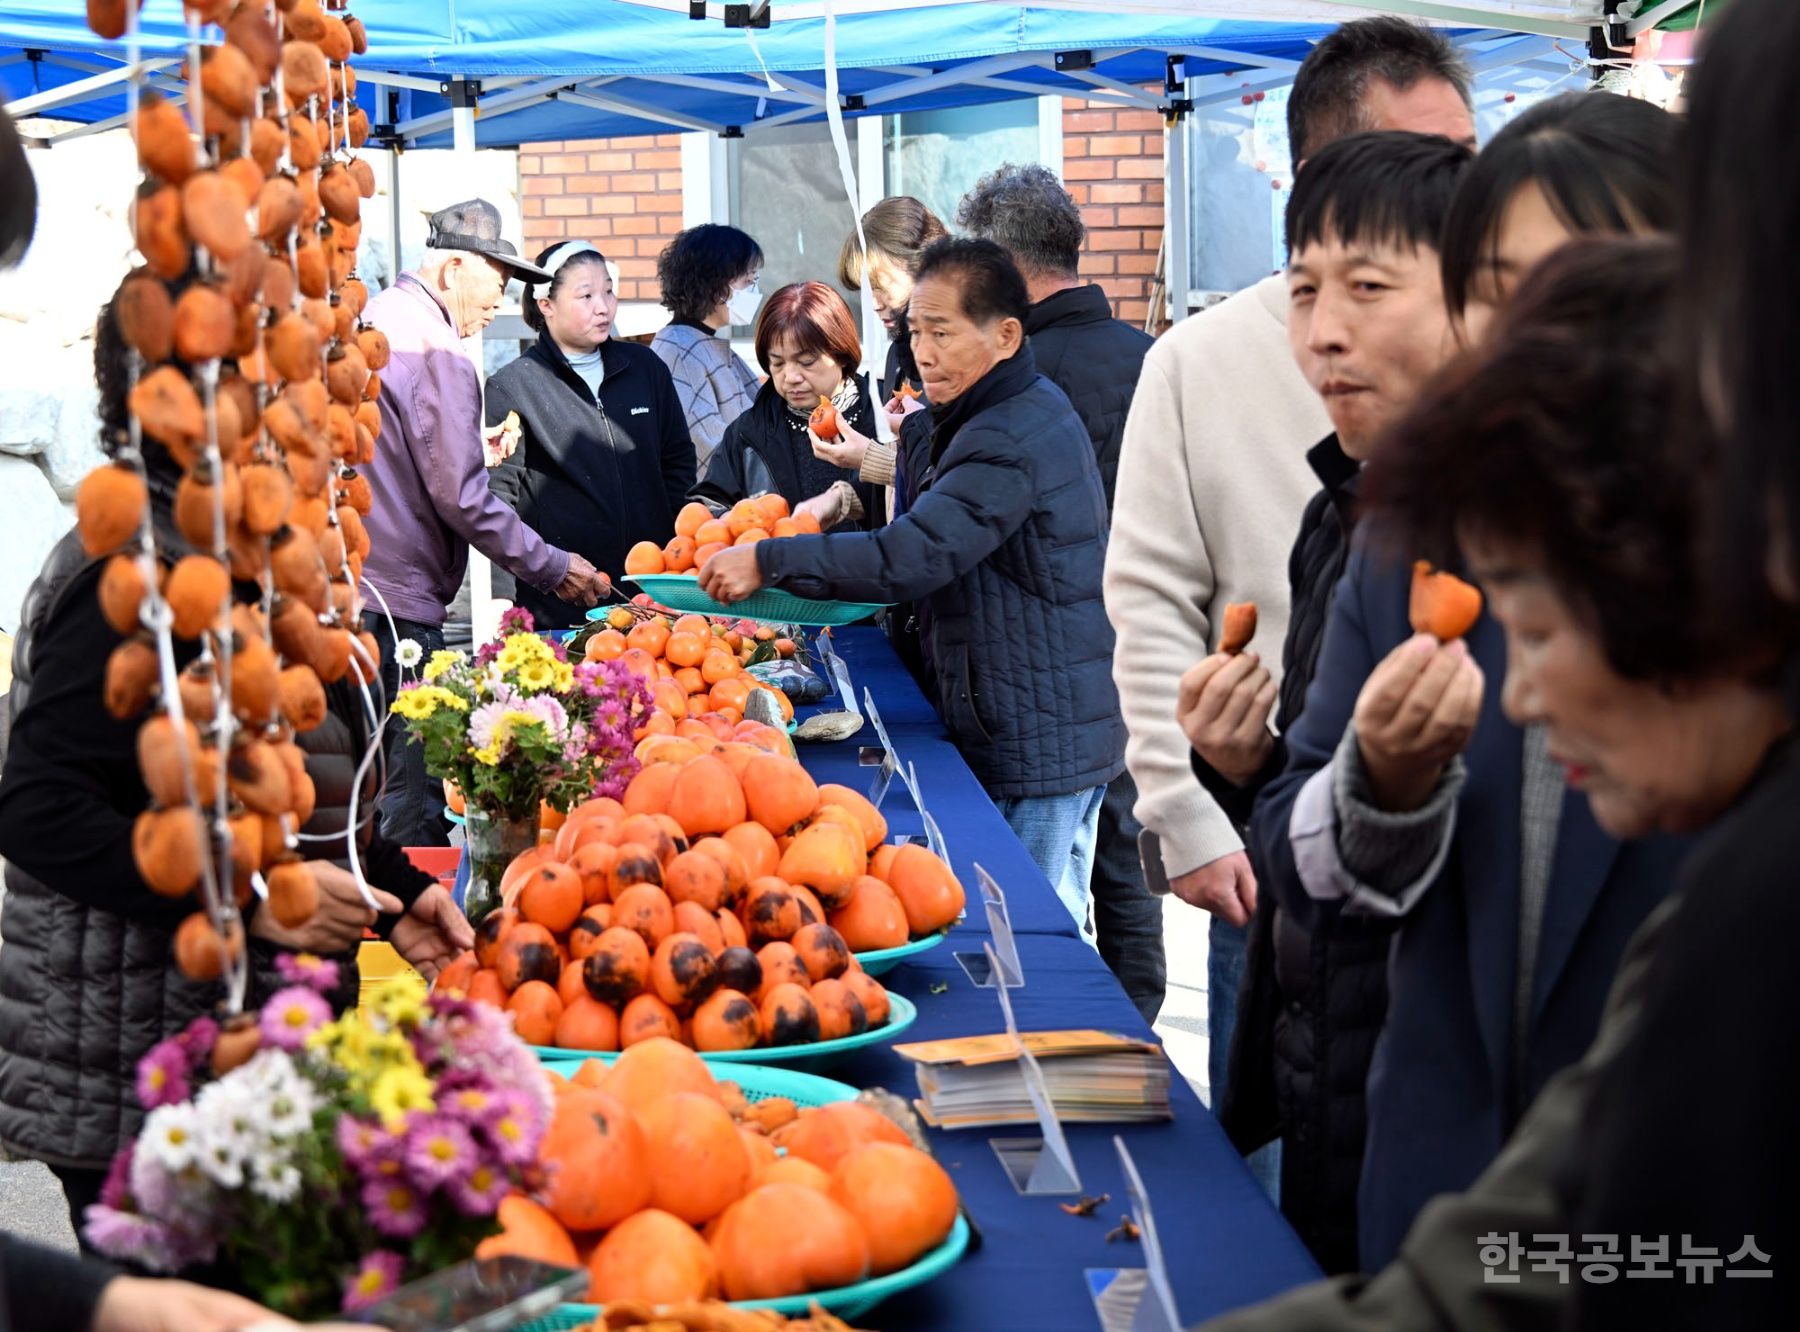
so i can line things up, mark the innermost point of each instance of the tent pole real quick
(871, 182)
(1176, 212)
(484, 615)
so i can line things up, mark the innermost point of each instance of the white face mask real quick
(742, 305)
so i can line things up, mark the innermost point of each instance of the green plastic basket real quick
(845, 1301)
(757, 1082)
(681, 592)
(818, 1054)
(883, 960)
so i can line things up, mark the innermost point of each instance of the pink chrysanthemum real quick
(375, 1278)
(438, 1150)
(396, 1208)
(306, 969)
(162, 1075)
(479, 1192)
(291, 1015)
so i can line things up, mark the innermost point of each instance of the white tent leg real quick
(871, 181)
(1176, 212)
(484, 611)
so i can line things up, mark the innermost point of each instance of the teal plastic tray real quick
(682, 592)
(845, 1301)
(757, 1082)
(880, 961)
(819, 1054)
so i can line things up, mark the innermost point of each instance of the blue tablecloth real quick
(1226, 1244)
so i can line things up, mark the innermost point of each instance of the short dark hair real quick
(697, 268)
(1602, 162)
(19, 197)
(1327, 98)
(1739, 317)
(992, 287)
(1555, 434)
(528, 308)
(1026, 210)
(1385, 186)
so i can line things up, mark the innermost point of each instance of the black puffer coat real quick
(1002, 547)
(1314, 992)
(87, 983)
(591, 475)
(1095, 359)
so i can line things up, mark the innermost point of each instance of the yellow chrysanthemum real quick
(398, 1092)
(414, 704)
(522, 650)
(442, 661)
(538, 675)
(564, 677)
(488, 756)
(447, 698)
(399, 1004)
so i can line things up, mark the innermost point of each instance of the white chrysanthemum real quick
(274, 1178)
(171, 1137)
(408, 654)
(233, 1126)
(223, 1161)
(290, 1110)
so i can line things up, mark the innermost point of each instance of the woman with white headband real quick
(604, 459)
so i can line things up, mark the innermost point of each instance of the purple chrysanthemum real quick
(479, 1192)
(375, 1278)
(148, 1243)
(513, 1131)
(306, 969)
(516, 620)
(291, 1015)
(366, 1145)
(198, 1039)
(438, 1149)
(162, 1074)
(116, 1192)
(473, 1104)
(396, 1208)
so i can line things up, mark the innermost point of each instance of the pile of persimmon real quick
(669, 1189)
(721, 903)
(695, 668)
(254, 373)
(700, 534)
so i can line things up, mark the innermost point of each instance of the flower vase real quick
(494, 842)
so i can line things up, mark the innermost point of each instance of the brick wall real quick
(624, 195)
(1113, 165)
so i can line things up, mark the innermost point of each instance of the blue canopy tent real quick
(597, 68)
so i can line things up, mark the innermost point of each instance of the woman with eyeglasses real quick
(709, 282)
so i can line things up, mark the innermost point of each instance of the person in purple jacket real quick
(430, 483)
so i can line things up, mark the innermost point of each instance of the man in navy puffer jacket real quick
(1003, 545)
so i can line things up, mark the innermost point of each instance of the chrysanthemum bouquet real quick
(519, 725)
(344, 1158)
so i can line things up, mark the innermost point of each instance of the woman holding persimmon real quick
(806, 343)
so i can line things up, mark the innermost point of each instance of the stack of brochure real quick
(1093, 1077)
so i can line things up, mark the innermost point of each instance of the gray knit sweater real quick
(712, 381)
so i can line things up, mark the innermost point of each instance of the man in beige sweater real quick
(1213, 479)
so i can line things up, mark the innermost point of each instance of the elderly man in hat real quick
(429, 477)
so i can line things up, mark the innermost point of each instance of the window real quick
(786, 191)
(937, 156)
